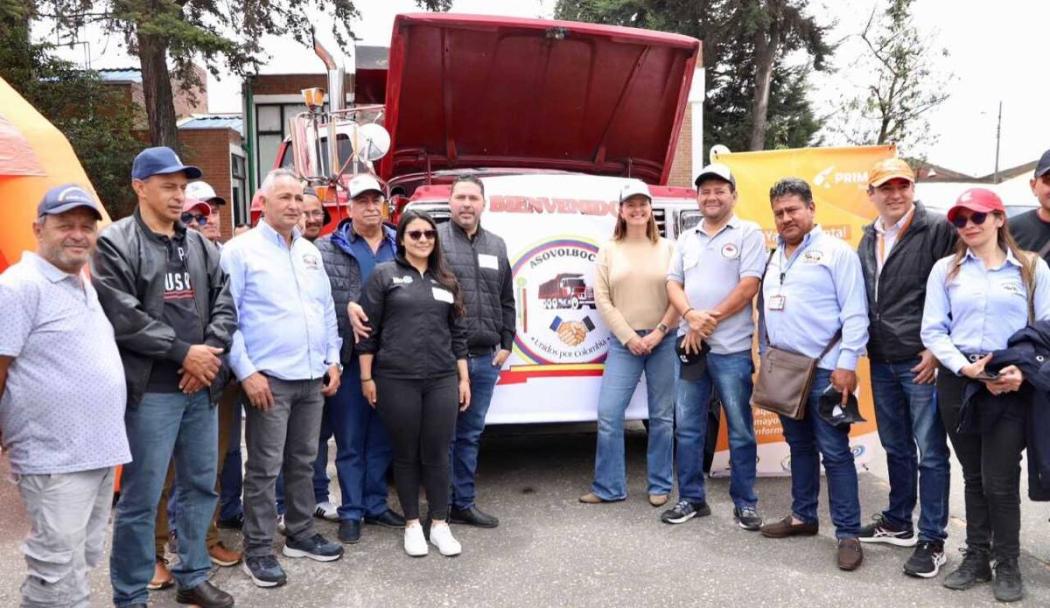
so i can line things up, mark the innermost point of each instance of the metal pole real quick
(998, 135)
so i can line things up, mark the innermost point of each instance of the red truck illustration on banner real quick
(566, 290)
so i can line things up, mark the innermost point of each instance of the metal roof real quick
(121, 75)
(215, 121)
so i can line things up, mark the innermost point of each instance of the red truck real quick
(567, 290)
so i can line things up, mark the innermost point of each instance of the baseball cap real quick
(693, 365)
(831, 409)
(1043, 167)
(717, 171)
(634, 187)
(980, 200)
(66, 197)
(191, 203)
(161, 160)
(203, 191)
(887, 169)
(364, 182)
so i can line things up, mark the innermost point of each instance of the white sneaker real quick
(327, 511)
(441, 537)
(415, 542)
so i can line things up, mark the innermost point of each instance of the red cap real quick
(191, 203)
(980, 200)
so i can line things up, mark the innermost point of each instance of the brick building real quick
(211, 141)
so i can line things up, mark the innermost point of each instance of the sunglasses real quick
(978, 217)
(201, 220)
(416, 235)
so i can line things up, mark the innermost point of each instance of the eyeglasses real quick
(978, 217)
(416, 235)
(201, 220)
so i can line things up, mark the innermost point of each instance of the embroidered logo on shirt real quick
(405, 280)
(730, 251)
(1013, 288)
(812, 257)
(311, 262)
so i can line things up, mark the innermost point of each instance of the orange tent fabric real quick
(20, 194)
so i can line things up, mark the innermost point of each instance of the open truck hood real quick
(468, 91)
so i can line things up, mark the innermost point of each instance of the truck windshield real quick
(573, 282)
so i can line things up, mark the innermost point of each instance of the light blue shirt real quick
(823, 290)
(979, 309)
(710, 267)
(286, 324)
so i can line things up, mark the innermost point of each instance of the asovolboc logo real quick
(558, 320)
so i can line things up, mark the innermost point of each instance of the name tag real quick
(442, 295)
(777, 302)
(488, 261)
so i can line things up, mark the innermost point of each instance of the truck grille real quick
(660, 215)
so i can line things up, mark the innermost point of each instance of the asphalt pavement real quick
(551, 550)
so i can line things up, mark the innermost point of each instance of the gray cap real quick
(66, 197)
(1043, 167)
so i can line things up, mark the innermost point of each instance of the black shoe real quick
(388, 519)
(472, 516)
(973, 569)
(317, 548)
(1008, 586)
(927, 559)
(234, 523)
(264, 571)
(349, 531)
(882, 531)
(205, 595)
(747, 518)
(685, 510)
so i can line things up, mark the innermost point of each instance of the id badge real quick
(777, 302)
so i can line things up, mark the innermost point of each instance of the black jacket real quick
(896, 316)
(488, 293)
(1029, 350)
(345, 275)
(128, 272)
(415, 331)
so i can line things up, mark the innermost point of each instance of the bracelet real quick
(687, 311)
(363, 380)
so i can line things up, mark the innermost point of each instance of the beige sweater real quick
(631, 285)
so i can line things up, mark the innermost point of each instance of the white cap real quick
(716, 170)
(364, 182)
(203, 191)
(634, 187)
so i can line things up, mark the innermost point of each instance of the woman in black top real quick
(414, 372)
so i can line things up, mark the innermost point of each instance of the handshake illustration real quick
(572, 333)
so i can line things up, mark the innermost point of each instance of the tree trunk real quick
(766, 44)
(156, 85)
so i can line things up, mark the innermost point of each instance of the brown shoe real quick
(221, 556)
(850, 554)
(162, 578)
(591, 498)
(785, 528)
(658, 500)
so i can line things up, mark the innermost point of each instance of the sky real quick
(995, 56)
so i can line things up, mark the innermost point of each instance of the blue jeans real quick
(232, 475)
(728, 376)
(622, 372)
(469, 426)
(160, 425)
(907, 418)
(363, 450)
(812, 439)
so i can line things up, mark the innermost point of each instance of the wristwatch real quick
(663, 327)
(337, 364)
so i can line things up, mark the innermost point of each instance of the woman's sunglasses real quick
(415, 235)
(978, 217)
(201, 220)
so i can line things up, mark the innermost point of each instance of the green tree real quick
(907, 79)
(218, 32)
(96, 120)
(755, 99)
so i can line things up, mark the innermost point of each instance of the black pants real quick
(420, 417)
(991, 469)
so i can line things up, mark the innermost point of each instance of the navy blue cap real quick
(1043, 167)
(161, 161)
(66, 197)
